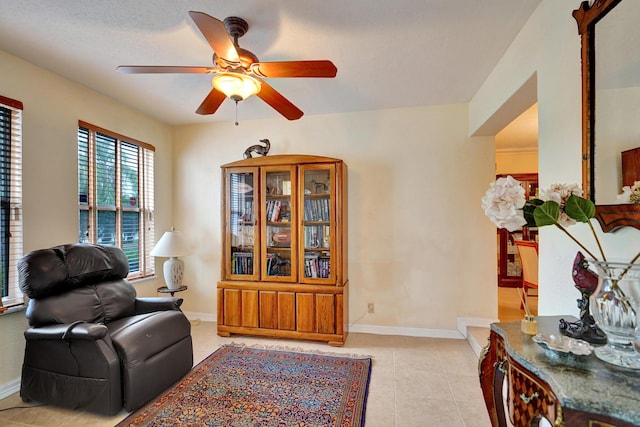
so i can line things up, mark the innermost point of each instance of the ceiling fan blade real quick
(211, 102)
(281, 104)
(320, 68)
(153, 69)
(216, 34)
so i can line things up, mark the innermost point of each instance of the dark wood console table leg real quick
(491, 370)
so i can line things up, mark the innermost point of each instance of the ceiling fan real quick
(237, 72)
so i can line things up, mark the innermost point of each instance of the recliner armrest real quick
(75, 331)
(151, 304)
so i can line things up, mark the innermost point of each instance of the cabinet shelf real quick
(294, 218)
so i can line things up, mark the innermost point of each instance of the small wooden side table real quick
(165, 290)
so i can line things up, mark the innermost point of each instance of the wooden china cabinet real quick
(284, 251)
(509, 266)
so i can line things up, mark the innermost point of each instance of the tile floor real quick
(421, 382)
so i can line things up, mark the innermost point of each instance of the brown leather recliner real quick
(92, 345)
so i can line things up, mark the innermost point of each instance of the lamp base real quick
(173, 270)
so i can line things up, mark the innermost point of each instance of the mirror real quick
(610, 73)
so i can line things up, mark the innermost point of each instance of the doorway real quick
(516, 154)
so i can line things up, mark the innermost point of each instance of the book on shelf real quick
(275, 209)
(311, 265)
(275, 215)
(324, 265)
(317, 209)
(242, 262)
(269, 209)
(317, 265)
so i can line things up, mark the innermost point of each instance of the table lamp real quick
(172, 245)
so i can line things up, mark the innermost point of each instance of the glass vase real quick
(614, 307)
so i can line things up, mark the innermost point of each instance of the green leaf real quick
(528, 210)
(547, 213)
(579, 208)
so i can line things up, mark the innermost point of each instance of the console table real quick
(568, 390)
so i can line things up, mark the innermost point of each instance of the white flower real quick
(559, 193)
(503, 203)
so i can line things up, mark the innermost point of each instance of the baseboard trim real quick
(407, 332)
(196, 317)
(478, 322)
(9, 388)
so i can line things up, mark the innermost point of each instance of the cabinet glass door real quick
(318, 224)
(279, 219)
(242, 227)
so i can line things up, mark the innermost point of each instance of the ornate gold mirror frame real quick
(611, 217)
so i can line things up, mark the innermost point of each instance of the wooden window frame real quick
(145, 194)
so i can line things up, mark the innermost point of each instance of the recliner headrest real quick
(46, 272)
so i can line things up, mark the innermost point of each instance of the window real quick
(115, 195)
(10, 200)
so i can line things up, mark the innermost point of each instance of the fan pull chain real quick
(236, 113)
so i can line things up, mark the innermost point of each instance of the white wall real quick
(416, 231)
(52, 108)
(516, 161)
(617, 130)
(549, 47)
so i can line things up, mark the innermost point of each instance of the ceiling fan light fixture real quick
(236, 86)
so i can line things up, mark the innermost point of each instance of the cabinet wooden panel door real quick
(232, 307)
(250, 308)
(326, 313)
(287, 311)
(240, 308)
(269, 309)
(305, 313)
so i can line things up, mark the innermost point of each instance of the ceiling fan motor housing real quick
(236, 27)
(246, 59)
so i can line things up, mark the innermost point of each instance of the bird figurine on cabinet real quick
(258, 149)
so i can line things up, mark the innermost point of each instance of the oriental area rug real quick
(239, 386)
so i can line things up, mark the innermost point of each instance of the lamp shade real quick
(236, 86)
(171, 245)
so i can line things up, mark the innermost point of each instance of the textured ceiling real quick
(389, 54)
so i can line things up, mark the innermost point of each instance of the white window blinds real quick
(115, 195)
(10, 200)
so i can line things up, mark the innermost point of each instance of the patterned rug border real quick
(279, 347)
(131, 417)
